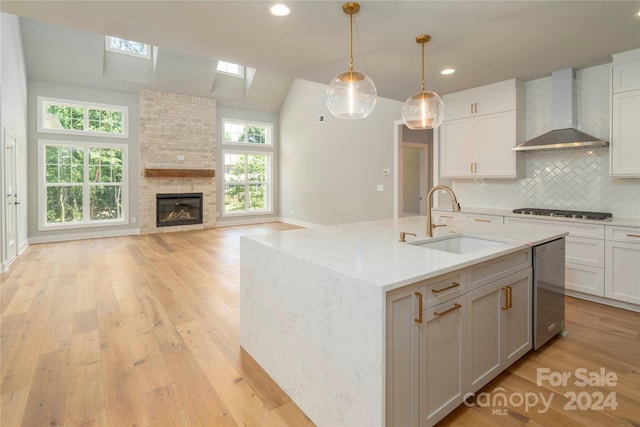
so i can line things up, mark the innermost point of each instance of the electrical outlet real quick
(386, 172)
(133, 220)
(380, 187)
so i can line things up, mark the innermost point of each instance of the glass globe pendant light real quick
(423, 110)
(351, 95)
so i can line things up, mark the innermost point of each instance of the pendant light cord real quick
(422, 67)
(350, 43)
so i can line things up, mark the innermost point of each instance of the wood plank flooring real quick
(144, 330)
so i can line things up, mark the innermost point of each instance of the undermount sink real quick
(460, 243)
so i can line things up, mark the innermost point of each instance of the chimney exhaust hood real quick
(563, 119)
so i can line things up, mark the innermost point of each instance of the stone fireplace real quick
(178, 209)
(177, 139)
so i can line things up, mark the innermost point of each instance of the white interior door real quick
(11, 208)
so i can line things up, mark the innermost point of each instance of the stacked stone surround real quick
(173, 125)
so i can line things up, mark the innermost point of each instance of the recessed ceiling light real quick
(448, 71)
(279, 10)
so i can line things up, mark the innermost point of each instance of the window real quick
(239, 132)
(81, 184)
(230, 68)
(76, 117)
(128, 47)
(248, 163)
(247, 179)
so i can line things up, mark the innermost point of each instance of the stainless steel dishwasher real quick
(548, 291)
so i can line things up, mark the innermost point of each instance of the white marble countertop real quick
(371, 251)
(615, 221)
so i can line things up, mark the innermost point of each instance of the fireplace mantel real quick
(179, 173)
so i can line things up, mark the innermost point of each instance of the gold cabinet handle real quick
(455, 307)
(450, 217)
(453, 285)
(508, 298)
(471, 167)
(505, 307)
(633, 235)
(471, 108)
(419, 319)
(476, 108)
(482, 220)
(475, 167)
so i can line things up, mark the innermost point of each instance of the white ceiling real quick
(485, 41)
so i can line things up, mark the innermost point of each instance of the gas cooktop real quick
(600, 216)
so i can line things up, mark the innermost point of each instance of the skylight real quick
(230, 68)
(128, 47)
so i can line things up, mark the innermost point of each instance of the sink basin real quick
(460, 243)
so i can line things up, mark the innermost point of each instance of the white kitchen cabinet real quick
(622, 264)
(481, 127)
(624, 160)
(584, 253)
(428, 329)
(442, 361)
(498, 327)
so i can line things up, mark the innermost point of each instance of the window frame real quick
(268, 183)
(247, 124)
(239, 75)
(86, 106)
(249, 149)
(147, 48)
(43, 225)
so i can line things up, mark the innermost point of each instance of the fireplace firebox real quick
(178, 209)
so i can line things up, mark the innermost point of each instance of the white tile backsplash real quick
(562, 179)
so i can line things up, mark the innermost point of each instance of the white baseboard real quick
(81, 236)
(299, 223)
(248, 221)
(603, 300)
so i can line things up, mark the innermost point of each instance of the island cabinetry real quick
(624, 160)
(498, 327)
(622, 263)
(428, 335)
(481, 127)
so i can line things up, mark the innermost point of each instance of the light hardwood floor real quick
(144, 330)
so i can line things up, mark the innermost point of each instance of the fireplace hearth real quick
(178, 209)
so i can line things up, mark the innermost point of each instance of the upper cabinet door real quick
(626, 77)
(625, 134)
(496, 102)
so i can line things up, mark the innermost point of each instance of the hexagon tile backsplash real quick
(562, 179)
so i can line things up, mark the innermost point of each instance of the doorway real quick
(10, 180)
(414, 165)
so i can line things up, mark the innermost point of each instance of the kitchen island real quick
(313, 305)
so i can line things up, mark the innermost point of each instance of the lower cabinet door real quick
(442, 356)
(517, 328)
(483, 320)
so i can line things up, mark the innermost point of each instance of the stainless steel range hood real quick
(563, 119)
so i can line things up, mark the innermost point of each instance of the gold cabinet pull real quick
(508, 298)
(476, 108)
(475, 167)
(471, 166)
(455, 307)
(633, 235)
(471, 108)
(453, 285)
(419, 319)
(482, 220)
(447, 216)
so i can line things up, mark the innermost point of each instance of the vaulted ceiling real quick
(485, 41)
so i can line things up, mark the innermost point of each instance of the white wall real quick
(329, 171)
(13, 111)
(572, 179)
